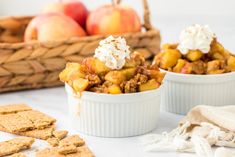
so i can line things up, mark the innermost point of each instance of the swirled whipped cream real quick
(113, 52)
(196, 37)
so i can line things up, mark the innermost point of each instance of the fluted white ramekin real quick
(182, 92)
(108, 115)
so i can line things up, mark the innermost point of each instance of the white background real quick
(170, 16)
(224, 7)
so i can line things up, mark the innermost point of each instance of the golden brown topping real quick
(93, 79)
(130, 86)
(215, 67)
(199, 67)
(93, 75)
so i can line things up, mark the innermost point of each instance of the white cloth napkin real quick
(202, 128)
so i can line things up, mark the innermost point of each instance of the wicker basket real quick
(36, 65)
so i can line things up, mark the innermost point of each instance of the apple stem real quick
(116, 2)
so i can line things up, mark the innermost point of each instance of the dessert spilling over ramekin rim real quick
(86, 95)
(120, 115)
(195, 78)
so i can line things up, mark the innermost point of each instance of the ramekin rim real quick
(196, 75)
(126, 95)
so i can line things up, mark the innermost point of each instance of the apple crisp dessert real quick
(92, 75)
(198, 52)
(112, 70)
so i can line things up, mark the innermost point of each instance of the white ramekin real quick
(108, 115)
(181, 92)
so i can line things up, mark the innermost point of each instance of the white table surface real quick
(53, 102)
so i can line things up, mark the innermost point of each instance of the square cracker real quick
(15, 145)
(39, 119)
(39, 134)
(15, 123)
(14, 108)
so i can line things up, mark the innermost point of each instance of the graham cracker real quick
(72, 146)
(18, 155)
(15, 123)
(57, 136)
(60, 134)
(39, 119)
(14, 108)
(54, 151)
(67, 149)
(73, 140)
(15, 145)
(39, 134)
(23, 120)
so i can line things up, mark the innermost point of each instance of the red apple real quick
(52, 26)
(113, 19)
(72, 8)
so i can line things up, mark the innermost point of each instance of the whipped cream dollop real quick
(196, 37)
(113, 52)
